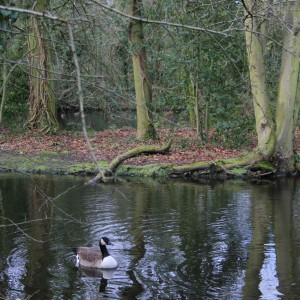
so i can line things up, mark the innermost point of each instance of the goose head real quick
(104, 241)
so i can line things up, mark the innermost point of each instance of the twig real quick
(30, 221)
(80, 96)
(264, 174)
(20, 229)
(45, 13)
(46, 197)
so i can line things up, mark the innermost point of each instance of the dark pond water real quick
(173, 240)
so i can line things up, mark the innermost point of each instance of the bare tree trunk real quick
(255, 49)
(142, 84)
(275, 139)
(206, 122)
(42, 105)
(287, 102)
(4, 85)
(5, 75)
(197, 110)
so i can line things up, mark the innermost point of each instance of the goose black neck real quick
(104, 251)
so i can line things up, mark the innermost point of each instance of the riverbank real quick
(67, 152)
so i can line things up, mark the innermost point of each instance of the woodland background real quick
(178, 64)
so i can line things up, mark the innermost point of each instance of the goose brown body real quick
(89, 257)
(94, 258)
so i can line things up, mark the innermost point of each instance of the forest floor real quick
(186, 146)
(67, 153)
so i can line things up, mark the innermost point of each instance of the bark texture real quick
(275, 133)
(142, 84)
(255, 50)
(288, 102)
(42, 104)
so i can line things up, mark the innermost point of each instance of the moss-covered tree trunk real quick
(142, 84)
(275, 133)
(42, 103)
(288, 98)
(255, 45)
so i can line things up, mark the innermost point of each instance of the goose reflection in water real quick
(105, 275)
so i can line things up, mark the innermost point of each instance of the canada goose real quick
(92, 258)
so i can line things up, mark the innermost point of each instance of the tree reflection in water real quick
(173, 239)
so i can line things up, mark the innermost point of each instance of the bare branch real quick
(28, 221)
(23, 232)
(80, 97)
(45, 13)
(223, 33)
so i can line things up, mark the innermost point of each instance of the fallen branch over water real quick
(232, 166)
(108, 173)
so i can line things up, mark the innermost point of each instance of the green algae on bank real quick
(68, 164)
(44, 163)
(151, 170)
(64, 163)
